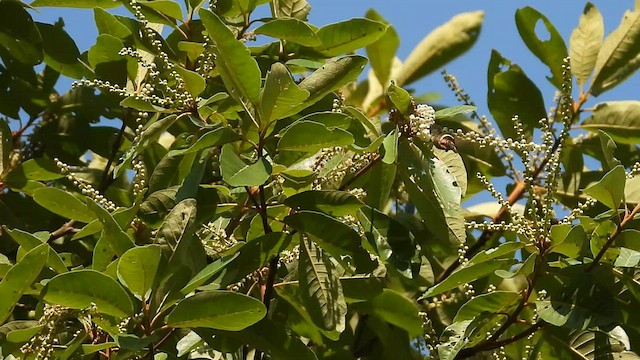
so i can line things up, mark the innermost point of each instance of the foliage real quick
(199, 195)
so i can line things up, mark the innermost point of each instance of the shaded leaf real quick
(619, 119)
(331, 202)
(311, 136)
(465, 275)
(238, 173)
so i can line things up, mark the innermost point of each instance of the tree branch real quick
(628, 217)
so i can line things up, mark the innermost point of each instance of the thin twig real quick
(465, 353)
(628, 217)
(361, 172)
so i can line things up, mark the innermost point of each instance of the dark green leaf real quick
(29, 241)
(551, 52)
(238, 173)
(165, 7)
(382, 52)
(90, 4)
(80, 289)
(342, 239)
(118, 240)
(19, 34)
(61, 52)
(33, 169)
(279, 96)
(177, 224)
(331, 202)
(510, 93)
(465, 275)
(310, 136)
(109, 24)
(223, 310)
(610, 189)
(500, 302)
(217, 137)
(6, 145)
(208, 272)
(619, 119)
(396, 309)
(401, 99)
(20, 277)
(350, 35)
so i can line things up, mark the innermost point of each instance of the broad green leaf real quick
(445, 43)
(331, 202)
(20, 277)
(568, 240)
(503, 250)
(347, 36)
(465, 275)
(118, 240)
(106, 49)
(510, 93)
(141, 104)
(619, 56)
(298, 9)
(390, 145)
(455, 167)
(258, 252)
(342, 239)
(334, 74)
(207, 273)
(41, 169)
(610, 189)
(321, 289)
(290, 29)
(22, 335)
(552, 51)
(61, 52)
(279, 96)
(455, 110)
(89, 4)
(627, 258)
(493, 302)
(382, 52)
(629, 238)
(238, 173)
(311, 136)
(585, 43)
(6, 145)
(137, 269)
(392, 242)
(177, 224)
(401, 99)
(166, 7)
(109, 24)
(29, 241)
(82, 288)
(395, 309)
(619, 119)
(64, 204)
(223, 310)
(608, 148)
(194, 83)
(239, 71)
(216, 137)
(19, 35)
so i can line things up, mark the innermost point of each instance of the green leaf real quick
(61, 52)
(395, 309)
(331, 76)
(569, 242)
(347, 36)
(20, 277)
(619, 56)
(216, 137)
(551, 52)
(382, 52)
(454, 110)
(619, 119)
(109, 24)
(608, 148)
(585, 43)
(41, 169)
(137, 269)
(331, 202)
(118, 240)
(19, 35)
(629, 239)
(177, 223)
(510, 93)
(106, 50)
(400, 98)
(239, 71)
(500, 302)
(503, 250)
(238, 173)
(63, 203)
(465, 275)
(341, 240)
(298, 9)
(80, 289)
(208, 272)
(392, 241)
(89, 4)
(29, 241)
(290, 29)
(166, 7)
(311, 136)
(194, 83)
(141, 104)
(223, 310)
(6, 145)
(610, 189)
(442, 45)
(258, 252)
(321, 290)
(279, 96)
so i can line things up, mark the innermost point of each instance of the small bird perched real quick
(443, 141)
